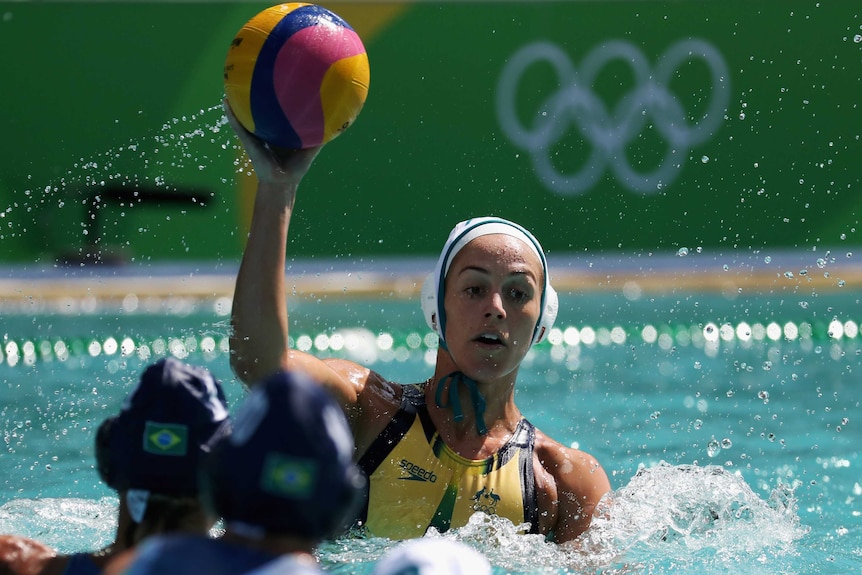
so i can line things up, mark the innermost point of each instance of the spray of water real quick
(667, 519)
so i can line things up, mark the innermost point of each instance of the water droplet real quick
(857, 38)
(767, 259)
(713, 447)
(698, 423)
(682, 252)
(704, 159)
(726, 443)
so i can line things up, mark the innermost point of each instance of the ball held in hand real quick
(296, 75)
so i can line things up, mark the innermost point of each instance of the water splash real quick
(667, 519)
(159, 162)
(67, 524)
(699, 517)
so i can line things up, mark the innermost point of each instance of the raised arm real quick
(258, 339)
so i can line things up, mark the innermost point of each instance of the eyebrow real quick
(525, 272)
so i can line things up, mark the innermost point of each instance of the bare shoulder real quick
(352, 384)
(377, 399)
(563, 461)
(570, 483)
(23, 556)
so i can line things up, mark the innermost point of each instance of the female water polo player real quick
(434, 452)
(282, 483)
(149, 454)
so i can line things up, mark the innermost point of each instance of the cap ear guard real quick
(549, 314)
(429, 303)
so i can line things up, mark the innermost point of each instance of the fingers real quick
(232, 119)
(253, 145)
(271, 163)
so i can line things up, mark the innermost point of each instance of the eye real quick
(473, 291)
(518, 295)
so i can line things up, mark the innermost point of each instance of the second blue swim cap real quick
(287, 468)
(156, 441)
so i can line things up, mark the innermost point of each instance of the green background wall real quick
(126, 95)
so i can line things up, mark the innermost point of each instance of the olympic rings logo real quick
(609, 134)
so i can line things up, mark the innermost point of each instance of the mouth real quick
(490, 339)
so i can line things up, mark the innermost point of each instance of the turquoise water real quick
(729, 427)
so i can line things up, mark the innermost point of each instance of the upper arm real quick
(580, 482)
(367, 399)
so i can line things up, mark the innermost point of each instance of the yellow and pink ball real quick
(296, 75)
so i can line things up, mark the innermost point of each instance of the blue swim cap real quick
(287, 468)
(156, 441)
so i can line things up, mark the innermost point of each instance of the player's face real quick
(492, 301)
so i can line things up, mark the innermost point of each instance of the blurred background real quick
(607, 127)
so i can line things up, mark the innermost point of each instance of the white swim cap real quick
(432, 556)
(462, 234)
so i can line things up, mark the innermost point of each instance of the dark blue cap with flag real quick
(287, 468)
(164, 425)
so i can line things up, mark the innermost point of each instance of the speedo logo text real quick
(416, 473)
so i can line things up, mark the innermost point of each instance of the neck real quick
(499, 393)
(471, 404)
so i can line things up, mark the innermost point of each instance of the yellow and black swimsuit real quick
(415, 481)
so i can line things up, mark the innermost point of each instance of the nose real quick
(495, 306)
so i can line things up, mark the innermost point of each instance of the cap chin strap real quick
(455, 379)
(136, 502)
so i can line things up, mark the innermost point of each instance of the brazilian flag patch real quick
(287, 476)
(166, 438)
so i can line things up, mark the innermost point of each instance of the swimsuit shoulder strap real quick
(412, 400)
(524, 439)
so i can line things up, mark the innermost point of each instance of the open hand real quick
(272, 165)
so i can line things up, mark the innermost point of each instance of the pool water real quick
(729, 428)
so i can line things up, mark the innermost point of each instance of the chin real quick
(489, 372)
